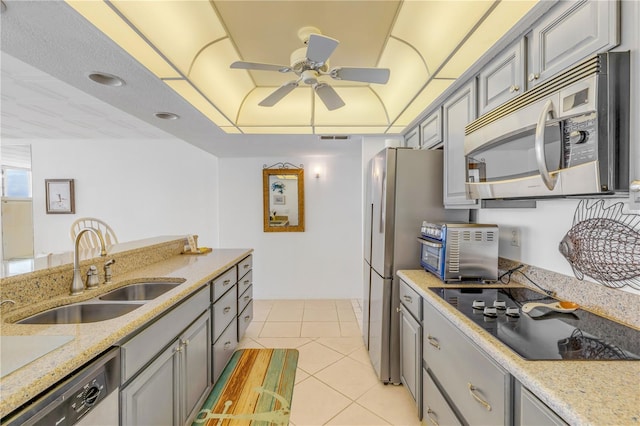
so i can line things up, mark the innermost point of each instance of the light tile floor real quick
(335, 382)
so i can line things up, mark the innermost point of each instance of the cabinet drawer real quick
(245, 266)
(223, 283)
(245, 298)
(145, 345)
(223, 348)
(224, 311)
(245, 282)
(478, 387)
(435, 409)
(244, 319)
(411, 300)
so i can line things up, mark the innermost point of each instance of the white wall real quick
(142, 188)
(322, 262)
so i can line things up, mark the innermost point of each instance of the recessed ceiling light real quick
(106, 79)
(167, 115)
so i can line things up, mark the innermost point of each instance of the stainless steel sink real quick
(81, 313)
(140, 291)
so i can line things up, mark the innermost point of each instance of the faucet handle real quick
(92, 277)
(107, 270)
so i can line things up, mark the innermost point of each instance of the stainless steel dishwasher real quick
(87, 397)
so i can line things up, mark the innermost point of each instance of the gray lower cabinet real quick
(478, 389)
(435, 409)
(224, 310)
(530, 411)
(172, 387)
(245, 295)
(410, 357)
(411, 343)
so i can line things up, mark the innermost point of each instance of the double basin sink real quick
(107, 306)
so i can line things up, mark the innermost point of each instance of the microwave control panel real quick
(580, 139)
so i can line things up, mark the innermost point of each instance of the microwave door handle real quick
(549, 181)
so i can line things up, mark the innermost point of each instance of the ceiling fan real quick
(311, 62)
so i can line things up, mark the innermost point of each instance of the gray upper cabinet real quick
(572, 31)
(457, 112)
(412, 139)
(502, 79)
(431, 131)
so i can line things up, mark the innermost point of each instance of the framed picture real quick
(60, 198)
(278, 199)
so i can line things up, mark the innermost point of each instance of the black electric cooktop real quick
(543, 334)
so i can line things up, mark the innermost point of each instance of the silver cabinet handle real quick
(246, 282)
(226, 282)
(408, 299)
(514, 88)
(247, 318)
(247, 297)
(246, 266)
(433, 342)
(226, 309)
(550, 182)
(534, 76)
(178, 349)
(185, 342)
(433, 421)
(227, 345)
(472, 391)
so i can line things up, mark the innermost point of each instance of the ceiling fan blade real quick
(320, 47)
(278, 94)
(329, 96)
(258, 66)
(365, 75)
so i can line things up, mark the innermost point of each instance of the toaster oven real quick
(460, 251)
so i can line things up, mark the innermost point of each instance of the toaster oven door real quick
(432, 256)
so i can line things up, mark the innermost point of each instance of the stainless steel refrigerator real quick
(404, 187)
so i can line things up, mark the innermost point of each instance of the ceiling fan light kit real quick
(312, 62)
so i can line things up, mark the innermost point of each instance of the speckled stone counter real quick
(581, 392)
(91, 339)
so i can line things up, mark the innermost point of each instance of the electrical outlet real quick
(515, 237)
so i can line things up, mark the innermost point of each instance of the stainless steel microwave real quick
(567, 136)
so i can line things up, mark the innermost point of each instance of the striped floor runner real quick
(255, 388)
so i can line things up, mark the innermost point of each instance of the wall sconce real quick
(316, 172)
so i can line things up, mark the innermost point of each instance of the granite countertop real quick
(581, 392)
(91, 339)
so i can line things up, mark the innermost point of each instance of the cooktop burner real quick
(543, 334)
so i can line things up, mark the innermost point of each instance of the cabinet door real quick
(502, 79)
(410, 354)
(530, 411)
(196, 365)
(570, 33)
(412, 139)
(151, 398)
(458, 111)
(435, 409)
(431, 130)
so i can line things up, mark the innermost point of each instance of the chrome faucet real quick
(77, 286)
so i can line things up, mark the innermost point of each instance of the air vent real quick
(334, 137)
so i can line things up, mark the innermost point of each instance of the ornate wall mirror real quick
(283, 198)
